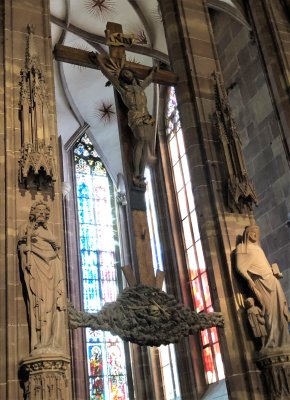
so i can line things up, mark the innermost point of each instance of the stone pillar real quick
(193, 58)
(270, 23)
(16, 199)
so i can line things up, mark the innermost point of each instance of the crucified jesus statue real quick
(142, 124)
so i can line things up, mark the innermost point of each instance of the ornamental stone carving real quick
(146, 316)
(45, 378)
(241, 191)
(36, 165)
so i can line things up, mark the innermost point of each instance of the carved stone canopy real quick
(240, 189)
(36, 165)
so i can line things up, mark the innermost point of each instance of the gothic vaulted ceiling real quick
(82, 98)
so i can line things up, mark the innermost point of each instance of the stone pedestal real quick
(45, 377)
(275, 366)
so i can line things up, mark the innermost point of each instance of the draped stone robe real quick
(42, 270)
(254, 264)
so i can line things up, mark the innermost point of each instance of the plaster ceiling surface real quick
(80, 91)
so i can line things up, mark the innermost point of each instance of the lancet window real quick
(167, 358)
(98, 240)
(196, 265)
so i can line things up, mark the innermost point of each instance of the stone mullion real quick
(271, 28)
(193, 59)
(3, 315)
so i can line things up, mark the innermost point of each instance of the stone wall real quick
(256, 118)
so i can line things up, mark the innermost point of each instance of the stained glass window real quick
(98, 241)
(191, 239)
(166, 353)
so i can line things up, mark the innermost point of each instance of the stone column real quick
(16, 199)
(193, 58)
(270, 22)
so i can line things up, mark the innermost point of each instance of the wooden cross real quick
(82, 58)
(143, 271)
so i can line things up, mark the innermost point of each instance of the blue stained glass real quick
(79, 149)
(92, 295)
(90, 264)
(88, 242)
(86, 211)
(83, 190)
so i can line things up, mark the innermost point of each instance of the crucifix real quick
(166, 320)
(137, 132)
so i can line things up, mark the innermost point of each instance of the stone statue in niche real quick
(264, 283)
(43, 277)
(140, 121)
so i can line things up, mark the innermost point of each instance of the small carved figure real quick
(256, 318)
(140, 121)
(253, 265)
(42, 272)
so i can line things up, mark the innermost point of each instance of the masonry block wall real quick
(258, 125)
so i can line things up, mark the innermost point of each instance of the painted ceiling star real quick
(100, 8)
(105, 112)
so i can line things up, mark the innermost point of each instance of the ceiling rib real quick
(93, 38)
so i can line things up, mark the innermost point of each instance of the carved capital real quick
(45, 377)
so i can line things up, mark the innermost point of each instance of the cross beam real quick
(81, 57)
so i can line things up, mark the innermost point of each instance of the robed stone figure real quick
(253, 265)
(43, 277)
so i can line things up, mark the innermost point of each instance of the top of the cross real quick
(120, 39)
